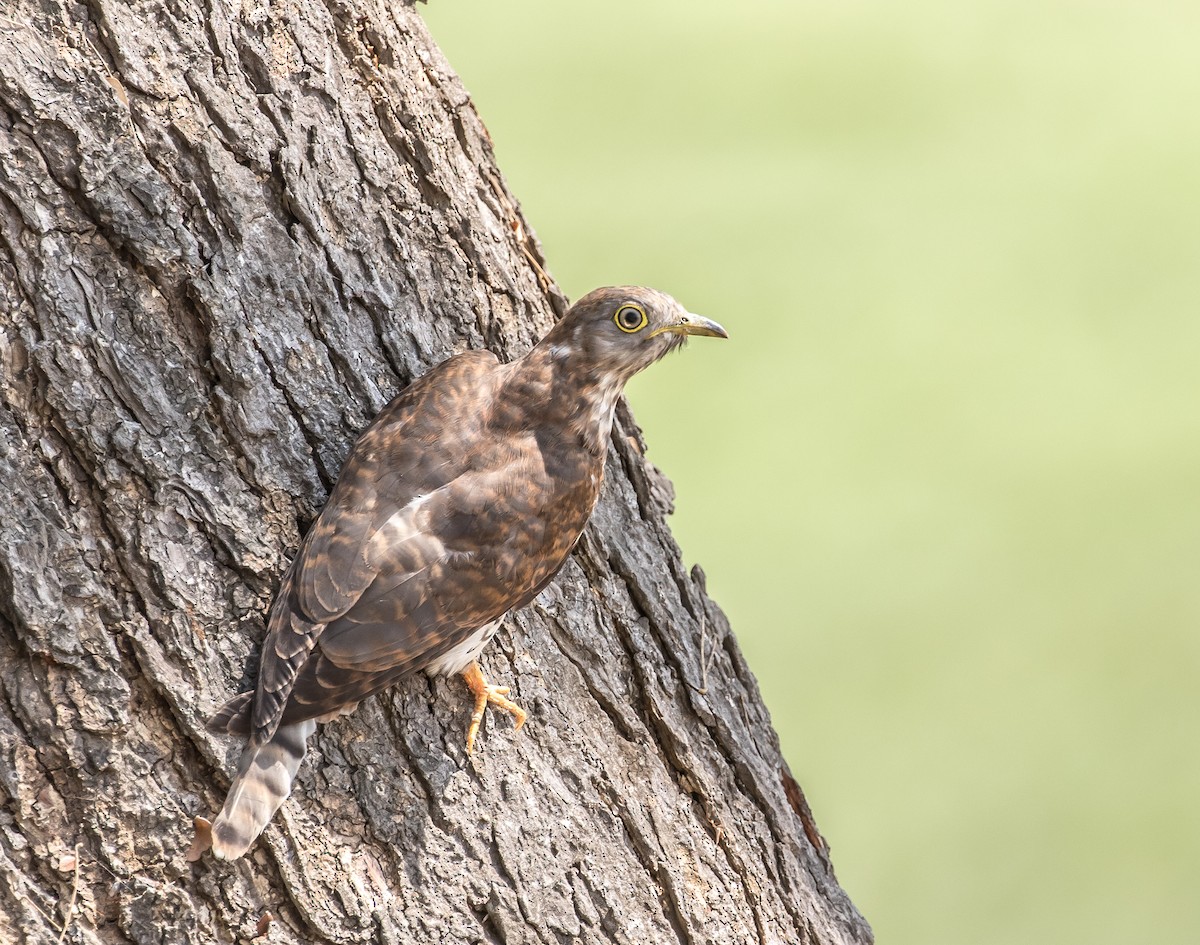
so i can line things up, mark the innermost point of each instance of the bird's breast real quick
(464, 652)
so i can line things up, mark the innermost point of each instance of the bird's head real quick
(619, 330)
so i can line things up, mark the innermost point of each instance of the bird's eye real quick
(630, 318)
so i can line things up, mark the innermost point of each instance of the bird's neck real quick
(574, 397)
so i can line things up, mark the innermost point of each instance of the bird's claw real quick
(485, 693)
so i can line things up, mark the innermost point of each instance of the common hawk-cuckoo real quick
(457, 504)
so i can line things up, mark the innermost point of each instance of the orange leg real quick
(483, 695)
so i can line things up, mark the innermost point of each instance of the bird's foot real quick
(484, 694)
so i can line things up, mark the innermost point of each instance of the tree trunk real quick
(229, 234)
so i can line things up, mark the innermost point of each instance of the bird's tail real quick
(263, 781)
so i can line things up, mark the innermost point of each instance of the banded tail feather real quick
(263, 782)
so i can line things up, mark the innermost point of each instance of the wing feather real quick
(438, 525)
(395, 461)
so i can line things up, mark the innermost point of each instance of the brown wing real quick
(449, 563)
(451, 510)
(423, 440)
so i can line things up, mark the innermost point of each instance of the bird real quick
(457, 505)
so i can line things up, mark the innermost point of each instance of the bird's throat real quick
(573, 396)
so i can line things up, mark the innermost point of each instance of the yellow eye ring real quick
(630, 318)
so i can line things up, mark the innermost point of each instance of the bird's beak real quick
(695, 325)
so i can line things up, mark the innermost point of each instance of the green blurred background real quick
(944, 476)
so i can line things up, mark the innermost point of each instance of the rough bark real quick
(229, 233)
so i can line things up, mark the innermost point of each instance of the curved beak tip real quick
(699, 325)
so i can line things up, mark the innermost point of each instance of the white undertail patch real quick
(456, 660)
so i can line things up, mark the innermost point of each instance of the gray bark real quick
(229, 233)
